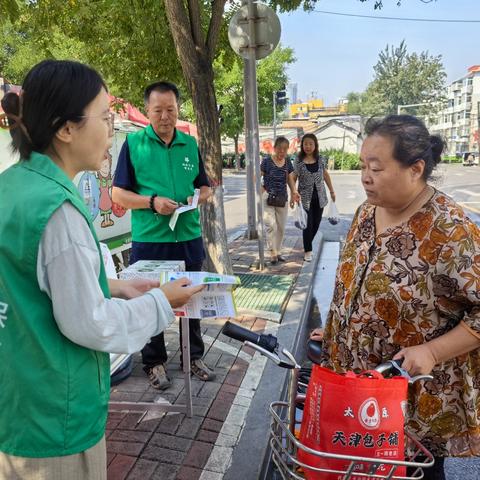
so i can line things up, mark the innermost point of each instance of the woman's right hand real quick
(179, 291)
(317, 334)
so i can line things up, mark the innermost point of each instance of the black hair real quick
(302, 153)
(411, 140)
(9, 103)
(161, 87)
(53, 92)
(280, 140)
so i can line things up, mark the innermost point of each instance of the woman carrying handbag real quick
(277, 172)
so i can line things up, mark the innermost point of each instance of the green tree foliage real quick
(9, 10)
(402, 78)
(20, 48)
(271, 76)
(127, 41)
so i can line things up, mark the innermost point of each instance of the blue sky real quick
(336, 55)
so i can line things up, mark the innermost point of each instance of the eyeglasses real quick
(110, 118)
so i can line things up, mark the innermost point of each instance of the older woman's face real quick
(281, 150)
(386, 181)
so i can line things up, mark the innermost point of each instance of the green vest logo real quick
(187, 165)
(3, 314)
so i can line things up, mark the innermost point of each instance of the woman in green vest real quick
(59, 314)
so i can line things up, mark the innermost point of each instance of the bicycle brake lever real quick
(420, 377)
(393, 365)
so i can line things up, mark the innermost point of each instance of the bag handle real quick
(366, 374)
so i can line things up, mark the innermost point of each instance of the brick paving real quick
(197, 448)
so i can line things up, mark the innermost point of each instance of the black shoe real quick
(281, 259)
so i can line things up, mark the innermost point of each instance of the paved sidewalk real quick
(201, 447)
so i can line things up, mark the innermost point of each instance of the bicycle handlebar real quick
(268, 342)
(268, 346)
(395, 368)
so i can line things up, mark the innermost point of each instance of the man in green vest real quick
(158, 170)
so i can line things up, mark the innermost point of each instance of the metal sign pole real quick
(249, 156)
(251, 114)
(274, 116)
(253, 41)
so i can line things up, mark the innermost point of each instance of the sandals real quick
(200, 370)
(158, 377)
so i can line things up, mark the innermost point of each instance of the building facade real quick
(314, 108)
(292, 93)
(459, 122)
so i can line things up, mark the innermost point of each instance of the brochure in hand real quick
(215, 300)
(184, 208)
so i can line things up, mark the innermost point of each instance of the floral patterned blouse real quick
(404, 287)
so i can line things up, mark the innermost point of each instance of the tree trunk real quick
(197, 65)
(213, 215)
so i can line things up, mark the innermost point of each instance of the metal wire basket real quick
(285, 447)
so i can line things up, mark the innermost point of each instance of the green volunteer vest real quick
(54, 393)
(168, 172)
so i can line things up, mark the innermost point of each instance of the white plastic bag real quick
(333, 216)
(300, 216)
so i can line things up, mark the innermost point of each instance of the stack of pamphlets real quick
(151, 269)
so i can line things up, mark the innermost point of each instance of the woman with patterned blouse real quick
(310, 169)
(408, 287)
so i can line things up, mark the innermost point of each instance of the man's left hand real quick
(189, 200)
(418, 360)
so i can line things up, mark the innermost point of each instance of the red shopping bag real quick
(353, 415)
